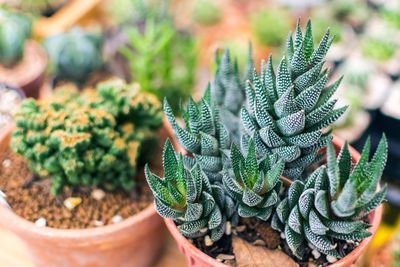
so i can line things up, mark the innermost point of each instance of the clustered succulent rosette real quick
(333, 202)
(186, 195)
(228, 90)
(204, 136)
(255, 186)
(87, 139)
(286, 113)
(242, 137)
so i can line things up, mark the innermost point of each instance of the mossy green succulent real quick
(88, 139)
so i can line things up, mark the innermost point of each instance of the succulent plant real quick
(161, 58)
(186, 196)
(269, 24)
(255, 186)
(287, 112)
(204, 137)
(74, 54)
(88, 139)
(331, 205)
(228, 90)
(15, 28)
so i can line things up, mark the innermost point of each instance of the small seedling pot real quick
(28, 74)
(136, 241)
(196, 258)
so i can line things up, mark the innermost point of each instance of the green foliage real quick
(269, 25)
(161, 59)
(15, 29)
(88, 139)
(38, 7)
(331, 205)
(378, 48)
(187, 196)
(206, 12)
(255, 186)
(74, 54)
(392, 16)
(228, 90)
(204, 137)
(286, 112)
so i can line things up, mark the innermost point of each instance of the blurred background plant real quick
(74, 54)
(15, 29)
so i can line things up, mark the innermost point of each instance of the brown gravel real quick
(30, 197)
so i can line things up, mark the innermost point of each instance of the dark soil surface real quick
(30, 197)
(261, 233)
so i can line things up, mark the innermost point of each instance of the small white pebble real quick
(203, 230)
(117, 219)
(228, 228)
(316, 254)
(72, 202)
(98, 223)
(311, 246)
(283, 236)
(6, 163)
(350, 242)
(345, 246)
(41, 222)
(331, 259)
(207, 241)
(98, 194)
(357, 243)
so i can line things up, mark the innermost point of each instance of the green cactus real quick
(255, 186)
(378, 48)
(187, 196)
(331, 205)
(90, 139)
(287, 112)
(74, 54)
(15, 29)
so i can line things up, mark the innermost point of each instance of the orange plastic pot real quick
(196, 258)
(136, 241)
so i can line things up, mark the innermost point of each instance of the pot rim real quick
(18, 222)
(346, 261)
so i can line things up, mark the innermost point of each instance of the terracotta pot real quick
(136, 241)
(29, 73)
(196, 258)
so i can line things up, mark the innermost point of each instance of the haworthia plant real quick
(186, 196)
(286, 112)
(333, 202)
(204, 135)
(228, 90)
(255, 186)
